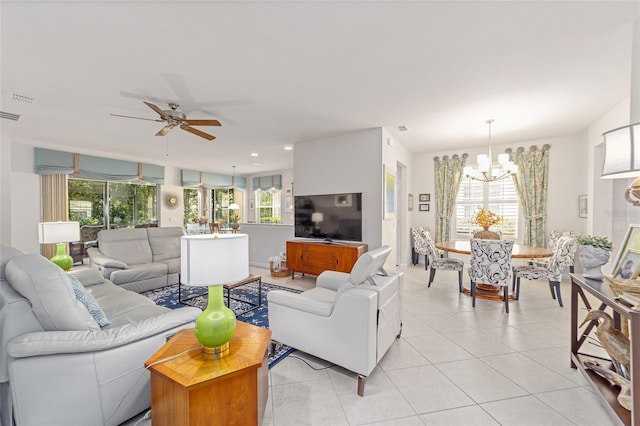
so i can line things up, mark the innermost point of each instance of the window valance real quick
(267, 182)
(53, 162)
(193, 178)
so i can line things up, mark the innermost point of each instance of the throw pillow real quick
(87, 299)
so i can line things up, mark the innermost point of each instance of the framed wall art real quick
(424, 198)
(583, 206)
(423, 207)
(389, 194)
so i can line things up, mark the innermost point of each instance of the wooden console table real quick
(311, 257)
(603, 389)
(196, 388)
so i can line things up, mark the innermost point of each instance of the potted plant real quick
(486, 219)
(594, 252)
(233, 221)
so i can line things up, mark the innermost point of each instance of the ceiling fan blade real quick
(197, 132)
(164, 130)
(156, 109)
(137, 118)
(202, 122)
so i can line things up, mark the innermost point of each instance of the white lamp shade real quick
(482, 159)
(622, 152)
(234, 206)
(503, 158)
(58, 232)
(317, 217)
(207, 260)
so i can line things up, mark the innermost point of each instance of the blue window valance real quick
(267, 182)
(193, 178)
(48, 161)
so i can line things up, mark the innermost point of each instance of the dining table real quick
(488, 291)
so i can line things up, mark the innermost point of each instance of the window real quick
(268, 206)
(191, 198)
(120, 205)
(499, 196)
(221, 199)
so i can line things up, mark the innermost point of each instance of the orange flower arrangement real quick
(486, 218)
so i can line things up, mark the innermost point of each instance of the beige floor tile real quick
(307, 403)
(427, 389)
(525, 411)
(467, 416)
(480, 381)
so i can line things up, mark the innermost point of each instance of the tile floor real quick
(453, 365)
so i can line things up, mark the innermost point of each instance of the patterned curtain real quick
(531, 183)
(448, 174)
(54, 203)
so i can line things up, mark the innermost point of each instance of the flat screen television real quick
(329, 216)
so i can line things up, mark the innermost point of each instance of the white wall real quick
(395, 232)
(266, 241)
(350, 162)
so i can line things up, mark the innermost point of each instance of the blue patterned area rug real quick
(197, 296)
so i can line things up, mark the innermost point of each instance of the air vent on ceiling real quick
(9, 116)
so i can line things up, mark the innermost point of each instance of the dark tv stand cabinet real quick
(313, 258)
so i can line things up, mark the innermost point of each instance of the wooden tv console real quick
(314, 257)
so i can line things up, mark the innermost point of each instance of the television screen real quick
(329, 216)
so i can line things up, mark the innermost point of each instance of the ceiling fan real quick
(175, 118)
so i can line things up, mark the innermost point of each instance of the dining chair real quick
(490, 264)
(419, 245)
(552, 273)
(551, 245)
(444, 263)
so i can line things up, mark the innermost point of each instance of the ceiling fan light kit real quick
(175, 118)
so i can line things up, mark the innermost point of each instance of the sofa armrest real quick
(88, 276)
(299, 302)
(61, 342)
(331, 279)
(107, 262)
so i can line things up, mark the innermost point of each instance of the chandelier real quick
(486, 171)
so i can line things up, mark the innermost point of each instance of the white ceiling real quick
(277, 73)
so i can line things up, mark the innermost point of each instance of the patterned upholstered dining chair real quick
(437, 262)
(490, 264)
(569, 261)
(419, 245)
(552, 272)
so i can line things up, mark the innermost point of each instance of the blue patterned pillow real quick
(89, 301)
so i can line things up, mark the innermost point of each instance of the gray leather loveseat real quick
(58, 364)
(138, 259)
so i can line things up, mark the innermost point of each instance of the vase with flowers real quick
(486, 219)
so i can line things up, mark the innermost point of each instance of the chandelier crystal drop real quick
(486, 171)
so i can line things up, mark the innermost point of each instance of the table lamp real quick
(59, 233)
(213, 261)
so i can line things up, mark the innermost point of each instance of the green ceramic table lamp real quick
(59, 233)
(213, 261)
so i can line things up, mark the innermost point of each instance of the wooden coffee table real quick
(228, 287)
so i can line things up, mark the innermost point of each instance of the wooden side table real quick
(196, 388)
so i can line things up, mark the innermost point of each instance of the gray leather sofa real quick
(57, 365)
(138, 259)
